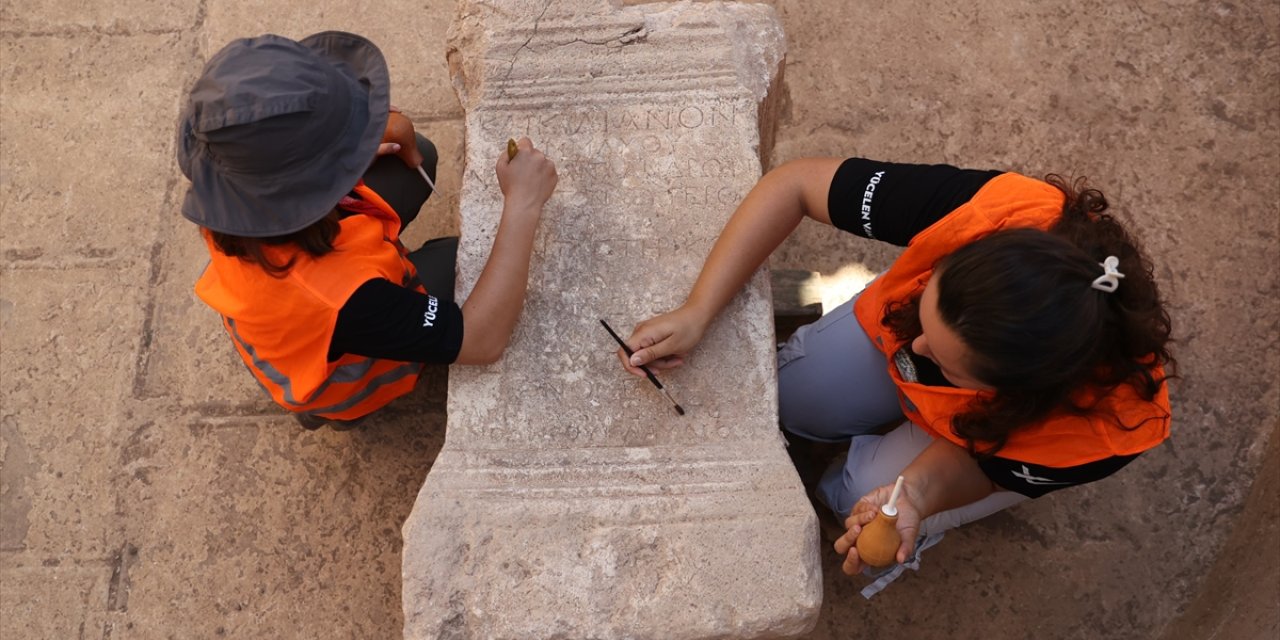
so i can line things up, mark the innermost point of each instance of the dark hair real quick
(1022, 301)
(316, 240)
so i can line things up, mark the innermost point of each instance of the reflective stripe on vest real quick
(289, 357)
(371, 387)
(351, 372)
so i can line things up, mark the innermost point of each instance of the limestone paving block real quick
(88, 125)
(294, 531)
(569, 500)
(121, 17)
(68, 348)
(79, 593)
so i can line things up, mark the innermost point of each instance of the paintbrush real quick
(400, 131)
(647, 372)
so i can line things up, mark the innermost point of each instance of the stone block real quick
(293, 532)
(96, 116)
(569, 499)
(70, 339)
(117, 18)
(32, 594)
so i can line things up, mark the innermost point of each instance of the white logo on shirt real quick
(866, 203)
(428, 318)
(1030, 479)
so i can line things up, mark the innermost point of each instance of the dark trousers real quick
(405, 190)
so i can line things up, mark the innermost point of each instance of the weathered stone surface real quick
(69, 101)
(570, 500)
(59, 457)
(28, 601)
(125, 17)
(1174, 114)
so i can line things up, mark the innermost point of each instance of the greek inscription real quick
(703, 195)
(690, 117)
(618, 120)
(655, 119)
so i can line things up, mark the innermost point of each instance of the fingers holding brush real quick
(669, 362)
(662, 342)
(528, 178)
(644, 371)
(646, 357)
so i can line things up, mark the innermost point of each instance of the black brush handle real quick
(627, 350)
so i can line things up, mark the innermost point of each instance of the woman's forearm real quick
(765, 218)
(769, 213)
(491, 311)
(944, 476)
(527, 179)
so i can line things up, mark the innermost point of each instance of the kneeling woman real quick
(302, 205)
(1016, 347)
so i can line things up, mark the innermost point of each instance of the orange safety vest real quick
(282, 327)
(1008, 201)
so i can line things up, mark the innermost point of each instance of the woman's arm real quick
(769, 213)
(490, 313)
(944, 476)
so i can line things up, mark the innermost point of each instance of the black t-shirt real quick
(892, 202)
(385, 320)
(382, 319)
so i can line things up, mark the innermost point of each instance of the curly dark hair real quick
(316, 240)
(1021, 300)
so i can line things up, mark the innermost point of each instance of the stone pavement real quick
(149, 490)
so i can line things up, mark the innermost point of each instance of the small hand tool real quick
(400, 131)
(647, 372)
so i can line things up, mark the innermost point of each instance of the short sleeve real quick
(892, 202)
(385, 320)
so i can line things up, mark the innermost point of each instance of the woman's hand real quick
(770, 212)
(527, 180)
(661, 342)
(388, 148)
(865, 511)
(490, 313)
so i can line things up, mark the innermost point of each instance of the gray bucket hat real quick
(276, 132)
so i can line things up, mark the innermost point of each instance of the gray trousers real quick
(833, 386)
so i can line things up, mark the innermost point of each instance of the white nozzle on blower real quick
(891, 509)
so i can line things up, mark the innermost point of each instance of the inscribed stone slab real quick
(569, 500)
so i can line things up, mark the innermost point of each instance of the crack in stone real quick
(627, 37)
(142, 363)
(118, 591)
(525, 44)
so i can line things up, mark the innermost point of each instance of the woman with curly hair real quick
(1017, 346)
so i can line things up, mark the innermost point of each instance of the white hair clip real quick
(1109, 281)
